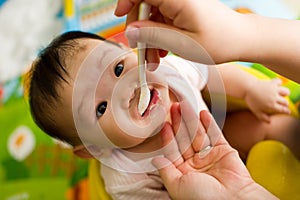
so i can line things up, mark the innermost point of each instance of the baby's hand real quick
(267, 97)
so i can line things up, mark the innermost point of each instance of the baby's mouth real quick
(153, 101)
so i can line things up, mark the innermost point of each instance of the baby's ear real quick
(82, 152)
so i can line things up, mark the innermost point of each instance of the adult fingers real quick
(201, 140)
(125, 6)
(213, 131)
(166, 37)
(189, 116)
(181, 132)
(170, 8)
(153, 58)
(133, 14)
(170, 147)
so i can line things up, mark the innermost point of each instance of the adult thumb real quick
(166, 37)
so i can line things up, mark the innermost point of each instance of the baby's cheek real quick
(119, 137)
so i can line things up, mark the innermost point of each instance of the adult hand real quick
(181, 26)
(201, 172)
(225, 34)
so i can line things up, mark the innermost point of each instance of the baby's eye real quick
(119, 69)
(101, 109)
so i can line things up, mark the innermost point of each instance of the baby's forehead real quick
(102, 54)
(88, 50)
(87, 46)
(90, 64)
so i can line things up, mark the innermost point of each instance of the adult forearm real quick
(274, 43)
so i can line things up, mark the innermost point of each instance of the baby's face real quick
(104, 95)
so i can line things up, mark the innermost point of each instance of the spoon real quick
(145, 95)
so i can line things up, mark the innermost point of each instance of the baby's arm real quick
(263, 97)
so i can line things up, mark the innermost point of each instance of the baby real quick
(84, 90)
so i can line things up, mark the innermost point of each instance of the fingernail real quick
(132, 33)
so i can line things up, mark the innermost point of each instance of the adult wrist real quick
(255, 191)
